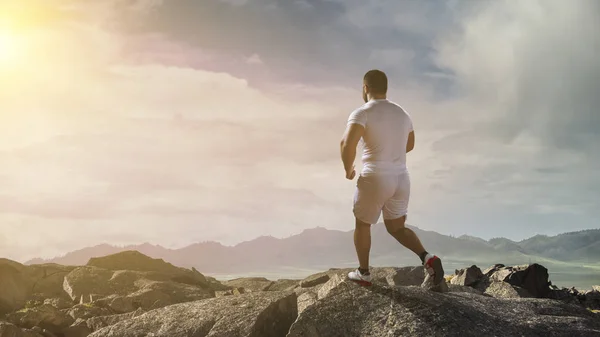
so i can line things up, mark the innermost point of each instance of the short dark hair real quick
(377, 81)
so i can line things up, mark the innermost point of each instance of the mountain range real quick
(319, 248)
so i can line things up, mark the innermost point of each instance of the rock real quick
(214, 284)
(333, 283)
(11, 330)
(283, 284)
(299, 290)
(45, 316)
(453, 288)
(563, 295)
(265, 314)
(231, 292)
(121, 304)
(533, 278)
(48, 280)
(314, 280)
(59, 303)
(381, 310)
(15, 286)
(491, 270)
(83, 281)
(42, 332)
(306, 300)
(501, 274)
(129, 290)
(406, 276)
(250, 283)
(592, 300)
(97, 323)
(506, 290)
(154, 294)
(222, 293)
(85, 311)
(77, 329)
(135, 261)
(467, 277)
(428, 284)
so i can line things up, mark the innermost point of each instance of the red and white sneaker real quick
(363, 280)
(433, 266)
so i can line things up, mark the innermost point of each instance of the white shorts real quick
(381, 193)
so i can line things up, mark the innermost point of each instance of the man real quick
(384, 183)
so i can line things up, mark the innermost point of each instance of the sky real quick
(180, 121)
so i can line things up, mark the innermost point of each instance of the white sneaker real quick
(363, 280)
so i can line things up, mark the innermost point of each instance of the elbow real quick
(344, 146)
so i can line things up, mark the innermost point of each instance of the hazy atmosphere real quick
(180, 121)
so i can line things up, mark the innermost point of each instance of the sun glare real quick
(8, 47)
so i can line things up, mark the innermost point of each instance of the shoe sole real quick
(362, 283)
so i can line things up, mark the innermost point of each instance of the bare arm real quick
(352, 136)
(410, 144)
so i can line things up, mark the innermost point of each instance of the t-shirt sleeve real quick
(410, 122)
(358, 116)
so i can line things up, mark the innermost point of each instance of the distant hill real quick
(320, 247)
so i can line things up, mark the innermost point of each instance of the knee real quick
(395, 226)
(362, 225)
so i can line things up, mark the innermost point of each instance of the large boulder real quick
(314, 280)
(15, 286)
(45, 316)
(283, 284)
(506, 290)
(155, 294)
(84, 281)
(405, 276)
(250, 283)
(48, 280)
(11, 330)
(382, 310)
(125, 291)
(491, 270)
(533, 278)
(467, 277)
(306, 299)
(97, 323)
(256, 314)
(135, 261)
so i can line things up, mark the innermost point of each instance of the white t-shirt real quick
(387, 127)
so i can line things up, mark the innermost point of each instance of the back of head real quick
(376, 81)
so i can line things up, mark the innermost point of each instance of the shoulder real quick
(363, 109)
(400, 108)
(359, 116)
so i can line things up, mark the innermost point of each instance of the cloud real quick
(254, 59)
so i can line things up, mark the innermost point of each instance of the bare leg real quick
(404, 235)
(362, 242)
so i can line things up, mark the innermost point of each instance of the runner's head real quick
(375, 84)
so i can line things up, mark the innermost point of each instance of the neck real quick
(377, 97)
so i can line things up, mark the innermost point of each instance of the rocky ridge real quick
(130, 294)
